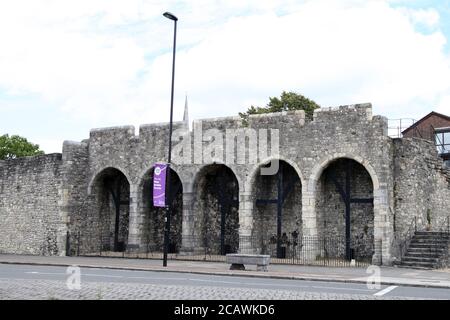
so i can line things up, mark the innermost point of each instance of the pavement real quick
(393, 276)
(23, 282)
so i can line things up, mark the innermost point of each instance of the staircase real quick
(427, 250)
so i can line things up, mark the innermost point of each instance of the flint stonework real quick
(48, 201)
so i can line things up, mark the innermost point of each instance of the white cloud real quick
(334, 53)
(109, 62)
(427, 17)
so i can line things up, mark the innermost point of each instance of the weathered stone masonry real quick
(29, 205)
(43, 198)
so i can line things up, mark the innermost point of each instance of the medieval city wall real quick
(307, 146)
(422, 186)
(29, 206)
(390, 181)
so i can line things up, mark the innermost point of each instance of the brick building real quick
(434, 127)
(424, 128)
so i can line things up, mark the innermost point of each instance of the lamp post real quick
(170, 16)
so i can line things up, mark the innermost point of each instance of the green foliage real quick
(288, 101)
(16, 147)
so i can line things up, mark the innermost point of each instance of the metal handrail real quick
(397, 125)
(405, 241)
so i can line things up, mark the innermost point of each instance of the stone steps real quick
(422, 254)
(426, 250)
(427, 245)
(431, 233)
(430, 240)
(421, 259)
(418, 265)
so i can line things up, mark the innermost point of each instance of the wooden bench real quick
(238, 261)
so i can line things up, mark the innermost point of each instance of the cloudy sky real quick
(70, 65)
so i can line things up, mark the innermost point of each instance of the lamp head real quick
(170, 16)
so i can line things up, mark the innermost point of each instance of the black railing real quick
(438, 247)
(306, 250)
(403, 240)
(431, 242)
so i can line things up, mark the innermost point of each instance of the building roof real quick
(433, 113)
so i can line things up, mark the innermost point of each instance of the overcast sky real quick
(70, 65)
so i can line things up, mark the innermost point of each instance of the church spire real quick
(186, 113)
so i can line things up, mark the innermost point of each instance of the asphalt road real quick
(13, 276)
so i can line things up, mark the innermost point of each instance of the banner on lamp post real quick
(159, 185)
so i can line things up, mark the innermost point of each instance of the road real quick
(46, 282)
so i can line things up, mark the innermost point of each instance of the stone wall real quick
(422, 185)
(76, 203)
(404, 177)
(308, 146)
(31, 222)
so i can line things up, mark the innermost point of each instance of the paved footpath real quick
(389, 275)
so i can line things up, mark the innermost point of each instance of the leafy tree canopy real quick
(286, 102)
(12, 147)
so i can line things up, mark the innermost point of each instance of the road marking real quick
(384, 291)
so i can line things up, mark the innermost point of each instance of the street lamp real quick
(170, 16)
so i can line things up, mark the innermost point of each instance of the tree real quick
(287, 101)
(16, 147)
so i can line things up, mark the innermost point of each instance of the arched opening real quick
(278, 211)
(154, 217)
(111, 190)
(345, 211)
(216, 207)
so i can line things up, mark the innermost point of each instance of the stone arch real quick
(97, 173)
(345, 190)
(318, 169)
(249, 183)
(152, 230)
(200, 170)
(216, 209)
(107, 224)
(277, 208)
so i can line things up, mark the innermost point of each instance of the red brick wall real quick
(424, 130)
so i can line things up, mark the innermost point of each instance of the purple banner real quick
(159, 185)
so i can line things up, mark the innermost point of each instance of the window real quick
(442, 139)
(447, 163)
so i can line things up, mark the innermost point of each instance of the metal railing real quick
(297, 250)
(403, 240)
(397, 126)
(439, 246)
(431, 241)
